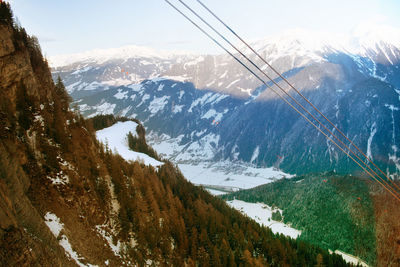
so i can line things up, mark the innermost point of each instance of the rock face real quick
(23, 231)
(45, 151)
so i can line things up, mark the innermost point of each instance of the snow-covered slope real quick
(262, 214)
(292, 49)
(228, 176)
(115, 137)
(100, 56)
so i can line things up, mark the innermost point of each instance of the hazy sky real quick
(71, 26)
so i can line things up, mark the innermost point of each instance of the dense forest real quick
(333, 211)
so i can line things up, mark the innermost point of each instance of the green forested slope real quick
(334, 212)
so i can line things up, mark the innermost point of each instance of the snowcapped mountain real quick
(207, 107)
(100, 56)
(96, 70)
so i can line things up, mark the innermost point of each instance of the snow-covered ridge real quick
(368, 35)
(298, 41)
(364, 40)
(102, 55)
(115, 137)
(361, 41)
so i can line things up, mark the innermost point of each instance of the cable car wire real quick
(297, 91)
(284, 99)
(290, 96)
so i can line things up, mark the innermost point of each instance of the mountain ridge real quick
(363, 38)
(222, 74)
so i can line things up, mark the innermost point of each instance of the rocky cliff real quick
(32, 158)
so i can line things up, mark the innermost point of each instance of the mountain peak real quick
(378, 42)
(369, 34)
(102, 55)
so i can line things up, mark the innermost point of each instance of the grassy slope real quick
(334, 212)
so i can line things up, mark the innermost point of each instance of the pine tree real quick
(6, 15)
(62, 93)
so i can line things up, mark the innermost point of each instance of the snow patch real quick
(121, 95)
(351, 259)
(232, 83)
(103, 108)
(116, 248)
(262, 214)
(160, 87)
(229, 176)
(177, 108)
(144, 99)
(371, 136)
(212, 113)
(255, 154)
(136, 87)
(55, 226)
(204, 148)
(158, 104)
(123, 112)
(115, 137)
(79, 71)
(59, 178)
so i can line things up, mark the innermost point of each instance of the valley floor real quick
(217, 177)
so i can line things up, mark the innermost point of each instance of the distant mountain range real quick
(208, 107)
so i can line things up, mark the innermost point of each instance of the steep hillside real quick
(332, 211)
(67, 200)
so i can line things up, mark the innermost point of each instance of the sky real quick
(73, 26)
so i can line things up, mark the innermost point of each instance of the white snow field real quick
(350, 258)
(115, 137)
(197, 165)
(227, 176)
(262, 214)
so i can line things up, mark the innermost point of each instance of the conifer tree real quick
(6, 15)
(62, 93)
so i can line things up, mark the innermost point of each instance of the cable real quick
(287, 102)
(284, 99)
(297, 91)
(319, 122)
(215, 41)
